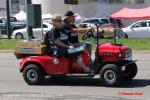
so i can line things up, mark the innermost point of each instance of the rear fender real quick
(28, 60)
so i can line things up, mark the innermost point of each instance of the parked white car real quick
(139, 29)
(47, 20)
(37, 32)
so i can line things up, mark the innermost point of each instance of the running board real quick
(80, 75)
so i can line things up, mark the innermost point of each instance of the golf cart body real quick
(113, 62)
(55, 66)
(114, 53)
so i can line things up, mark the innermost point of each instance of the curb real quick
(141, 51)
(6, 51)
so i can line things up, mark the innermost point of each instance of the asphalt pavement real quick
(13, 87)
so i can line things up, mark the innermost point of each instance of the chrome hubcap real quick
(19, 36)
(109, 76)
(32, 75)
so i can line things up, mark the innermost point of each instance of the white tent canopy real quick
(78, 18)
(21, 16)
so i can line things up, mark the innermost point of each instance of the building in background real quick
(15, 7)
(85, 8)
(90, 8)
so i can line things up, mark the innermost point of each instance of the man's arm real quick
(75, 29)
(58, 42)
(56, 39)
(70, 44)
(81, 30)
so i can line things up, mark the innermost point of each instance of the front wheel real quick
(110, 75)
(130, 71)
(33, 75)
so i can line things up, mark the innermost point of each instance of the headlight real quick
(128, 54)
(120, 55)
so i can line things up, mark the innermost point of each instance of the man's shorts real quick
(63, 52)
(88, 46)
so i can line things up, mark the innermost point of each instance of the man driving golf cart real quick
(73, 30)
(60, 39)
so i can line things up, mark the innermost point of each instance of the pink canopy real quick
(127, 13)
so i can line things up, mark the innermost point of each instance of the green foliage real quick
(135, 44)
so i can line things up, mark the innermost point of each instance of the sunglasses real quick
(58, 21)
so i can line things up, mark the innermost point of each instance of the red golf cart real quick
(113, 63)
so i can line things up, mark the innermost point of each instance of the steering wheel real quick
(88, 34)
(100, 34)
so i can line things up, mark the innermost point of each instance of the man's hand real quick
(70, 47)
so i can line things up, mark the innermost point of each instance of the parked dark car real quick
(116, 22)
(104, 22)
(14, 25)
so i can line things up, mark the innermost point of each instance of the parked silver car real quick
(139, 29)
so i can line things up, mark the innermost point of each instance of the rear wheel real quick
(130, 71)
(110, 75)
(19, 36)
(33, 75)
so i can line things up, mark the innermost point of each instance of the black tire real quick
(19, 36)
(130, 72)
(110, 69)
(33, 75)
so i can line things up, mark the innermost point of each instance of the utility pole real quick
(29, 28)
(8, 19)
(70, 7)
